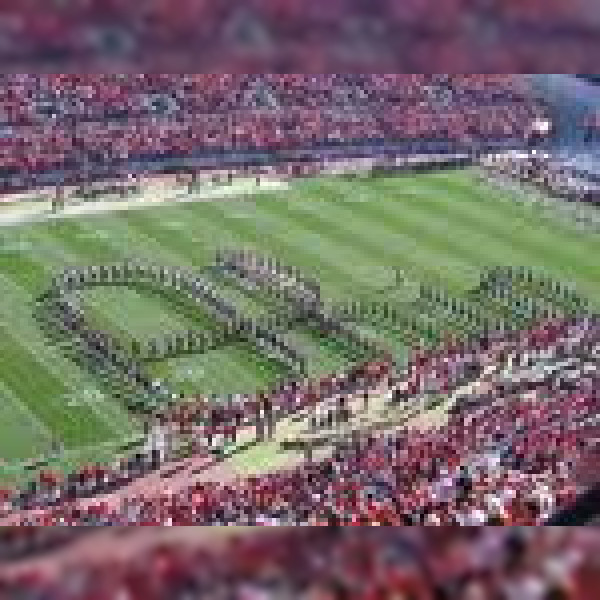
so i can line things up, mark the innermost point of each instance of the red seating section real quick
(329, 564)
(514, 460)
(83, 122)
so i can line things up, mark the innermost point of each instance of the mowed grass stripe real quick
(117, 243)
(138, 314)
(187, 246)
(41, 391)
(455, 253)
(225, 370)
(321, 354)
(353, 256)
(22, 433)
(49, 249)
(263, 372)
(478, 228)
(300, 244)
(476, 246)
(55, 376)
(188, 230)
(409, 244)
(126, 236)
(269, 234)
(337, 210)
(514, 225)
(562, 244)
(23, 375)
(486, 232)
(142, 235)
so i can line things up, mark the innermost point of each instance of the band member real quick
(142, 270)
(239, 417)
(260, 425)
(72, 278)
(329, 419)
(214, 422)
(95, 274)
(129, 270)
(230, 429)
(116, 273)
(58, 200)
(267, 407)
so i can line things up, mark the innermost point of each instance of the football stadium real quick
(281, 300)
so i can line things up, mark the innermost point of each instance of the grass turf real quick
(442, 227)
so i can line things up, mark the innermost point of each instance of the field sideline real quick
(444, 227)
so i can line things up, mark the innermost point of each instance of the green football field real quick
(348, 233)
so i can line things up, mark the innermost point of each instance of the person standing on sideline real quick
(260, 426)
(269, 416)
(57, 200)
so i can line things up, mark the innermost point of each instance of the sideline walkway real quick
(28, 210)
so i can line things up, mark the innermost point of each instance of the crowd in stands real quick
(17, 543)
(65, 127)
(211, 423)
(551, 173)
(525, 450)
(349, 563)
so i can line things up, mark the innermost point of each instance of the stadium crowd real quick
(551, 173)
(64, 127)
(522, 447)
(339, 563)
(211, 422)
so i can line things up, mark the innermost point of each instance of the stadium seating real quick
(64, 126)
(330, 564)
(558, 176)
(200, 417)
(516, 459)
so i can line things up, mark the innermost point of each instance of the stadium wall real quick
(252, 160)
(585, 512)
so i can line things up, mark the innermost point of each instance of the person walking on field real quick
(57, 200)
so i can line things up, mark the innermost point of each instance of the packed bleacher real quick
(523, 447)
(58, 129)
(338, 563)
(553, 173)
(211, 422)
